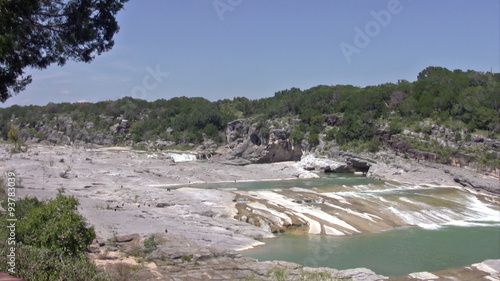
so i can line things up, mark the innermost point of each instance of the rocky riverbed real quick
(128, 192)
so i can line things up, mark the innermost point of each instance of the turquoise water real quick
(456, 228)
(391, 253)
(326, 180)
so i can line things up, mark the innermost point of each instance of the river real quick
(434, 228)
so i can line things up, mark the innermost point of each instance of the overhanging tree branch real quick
(37, 33)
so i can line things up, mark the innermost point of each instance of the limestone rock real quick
(423, 276)
(310, 163)
(249, 143)
(360, 274)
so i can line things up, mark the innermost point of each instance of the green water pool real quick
(391, 253)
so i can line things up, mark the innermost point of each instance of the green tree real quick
(55, 225)
(297, 136)
(313, 139)
(14, 137)
(212, 132)
(38, 33)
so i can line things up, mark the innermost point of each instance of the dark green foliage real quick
(395, 126)
(51, 238)
(313, 139)
(55, 225)
(36, 34)
(297, 136)
(41, 264)
(211, 131)
(357, 126)
(373, 145)
(330, 134)
(460, 100)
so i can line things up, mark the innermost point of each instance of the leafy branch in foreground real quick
(51, 240)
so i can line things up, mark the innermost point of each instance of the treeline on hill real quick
(465, 100)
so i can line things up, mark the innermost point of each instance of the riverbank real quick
(126, 192)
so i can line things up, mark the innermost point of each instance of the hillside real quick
(447, 117)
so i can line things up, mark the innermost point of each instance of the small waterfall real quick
(181, 157)
(434, 210)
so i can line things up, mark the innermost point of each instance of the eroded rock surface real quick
(250, 143)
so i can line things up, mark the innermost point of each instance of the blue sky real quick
(227, 48)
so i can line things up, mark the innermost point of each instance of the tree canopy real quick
(37, 33)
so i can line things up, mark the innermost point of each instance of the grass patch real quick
(186, 258)
(278, 274)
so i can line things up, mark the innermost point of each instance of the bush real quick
(150, 244)
(51, 238)
(373, 145)
(427, 130)
(15, 138)
(330, 134)
(33, 263)
(68, 232)
(211, 131)
(297, 136)
(313, 139)
(395, 127)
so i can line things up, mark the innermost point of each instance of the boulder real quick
(357, 162)
(310, 163)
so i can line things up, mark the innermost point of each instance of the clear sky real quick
(227, 48)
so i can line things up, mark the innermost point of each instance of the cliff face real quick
(248, 141)
(442, 145)
(64, 130)
(258, 146)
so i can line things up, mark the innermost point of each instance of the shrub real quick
(211, 131)
(150, 244)
(313, 139)
(427, 130)
(373, 145)
(395, 127)
(330, 134)
(297, 136)
(51, 238)
(15, 138)
(33, 263)
(55, 225)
